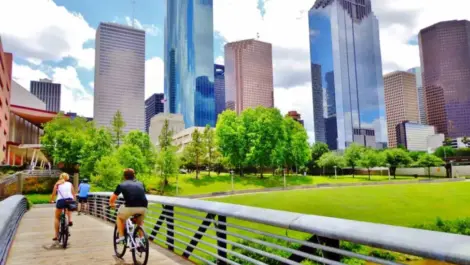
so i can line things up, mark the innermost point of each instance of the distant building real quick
(175, 124)
(248, 75)
(219, 89)
(153, 105)
(420, 91)
(414, 136)
(401, 102)
(48, 92)
(20, 96)
(73, 115)
(365, 137)
(296, 116)
(445, 52)
(119, 76)
(435, 141)
(184, 137)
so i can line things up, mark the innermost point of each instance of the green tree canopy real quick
(165, 139)
(117, 125)
(142, 141)
(297, 149)
(396, 157)
(194, 151)
(167, 165)
(99, 143)
(370, 159)
(352, 155)
(428, 161)
(109, 172)
(330, 160)
(130, 156)
(444, 151)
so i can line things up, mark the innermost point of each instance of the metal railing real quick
(11, 212)
(220, 233)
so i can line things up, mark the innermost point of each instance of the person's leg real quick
(69, 216)
(122, 215)
(140, 220)
(79, 208)
(56, 222)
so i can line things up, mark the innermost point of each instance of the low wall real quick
(457, 171)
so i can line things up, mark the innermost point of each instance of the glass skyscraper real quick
(189, 61)
(345, 51)
(219, 88)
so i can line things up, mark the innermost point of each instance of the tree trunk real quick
(429, 172)
(393, 171)
(369, 173)
(261, 173)
(353, 169)
(197, 167)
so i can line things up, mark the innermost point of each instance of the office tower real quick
(120, 75)
(47, 92)
(421, 99)
(295, 116)
(401, 101)
(248, 75)
(445, 66)
(153, 105)
(319, 121)
(219, 89)
(6, 64)
(345, 48)
(414, 136)
(189, 61)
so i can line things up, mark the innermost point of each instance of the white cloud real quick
(153, 76)
(220, 60)
(92, 85)
(23, 75)
(150, 29)
(40, 30)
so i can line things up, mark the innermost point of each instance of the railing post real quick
(334, 243)
(170, 225)
(221, 239)
(19, 183)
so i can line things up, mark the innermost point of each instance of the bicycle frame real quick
(130, 231)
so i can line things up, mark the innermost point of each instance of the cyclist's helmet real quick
(85, 180)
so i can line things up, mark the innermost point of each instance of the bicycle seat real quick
(137, 215)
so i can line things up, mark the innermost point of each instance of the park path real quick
(90, 243)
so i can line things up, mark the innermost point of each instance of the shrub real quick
(32, 185)
(457, 226)
(462, 152)
(109, 173)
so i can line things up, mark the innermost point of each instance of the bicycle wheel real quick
(119, 249)
(64, 234)
(140, 254)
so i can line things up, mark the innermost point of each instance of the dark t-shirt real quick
(133, 192)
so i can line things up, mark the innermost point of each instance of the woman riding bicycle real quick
(64, 190)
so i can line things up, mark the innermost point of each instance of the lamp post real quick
(231, 176)
(388, 169)
(336, 175)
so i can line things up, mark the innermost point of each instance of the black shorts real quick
(82, 199)
(60, 204)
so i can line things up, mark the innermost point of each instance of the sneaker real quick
(70, 224)
(120, 240)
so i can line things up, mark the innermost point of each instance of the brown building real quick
(6, 63)
(248, 75)
(401, 101)
(445, 65)
(295, 116)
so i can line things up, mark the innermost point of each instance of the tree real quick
(429, 160)
(142, 141)
(352, 155)
(109, 172)
(98, 144)
(130, 156)
(370, 159)
(395, 158)
(331, 160)
(317, 150)
(167, 165)
(415, 155)
(447, 141)
(466, 141)
(232, 139)
(209, 145)
(194, 151)
(297, 148)
(444, 151)
(165, 139)
(118, 125)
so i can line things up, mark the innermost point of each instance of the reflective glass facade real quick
(189, 61)
(344, 44)
(219, 88)
(420, 90)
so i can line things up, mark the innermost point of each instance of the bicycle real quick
(64, 232)
(137, 246)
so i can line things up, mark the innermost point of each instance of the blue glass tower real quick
(344, 45)
(189, 61)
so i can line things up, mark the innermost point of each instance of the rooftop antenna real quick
(257, 35)
(133, 13)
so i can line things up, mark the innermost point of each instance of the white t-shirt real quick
(64, 191)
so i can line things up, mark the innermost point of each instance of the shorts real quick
(82, 199)
(60, 204)
(125, 212)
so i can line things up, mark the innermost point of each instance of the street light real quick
(231, 175)
(336, 175)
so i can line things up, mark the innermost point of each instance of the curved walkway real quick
(90, 243)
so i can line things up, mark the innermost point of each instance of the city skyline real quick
(71, 65)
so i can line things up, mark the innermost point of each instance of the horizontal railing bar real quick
(428, 244)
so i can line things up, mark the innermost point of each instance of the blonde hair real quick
(63, 178)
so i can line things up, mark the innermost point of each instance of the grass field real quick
(189, 185)
(39, 198)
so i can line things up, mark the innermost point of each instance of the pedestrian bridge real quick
(188, 231)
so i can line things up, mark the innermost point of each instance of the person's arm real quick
(79, 186)
(54, 192)
(73, 193)
(114, 196)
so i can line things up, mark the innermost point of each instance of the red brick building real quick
(6, 63)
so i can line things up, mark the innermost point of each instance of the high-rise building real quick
(219, 89)
(120, 75)
(420, 91)
(153, 105)
(345, 57)
(48, 92)
(296, 116)
(445, 66)
(189, 61)
(414, 136)
(248, 75)
(401, 102)
(6, 64)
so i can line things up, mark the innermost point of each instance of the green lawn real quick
(39, 198)
(189, 185)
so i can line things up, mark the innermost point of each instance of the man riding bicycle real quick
(135, 201)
